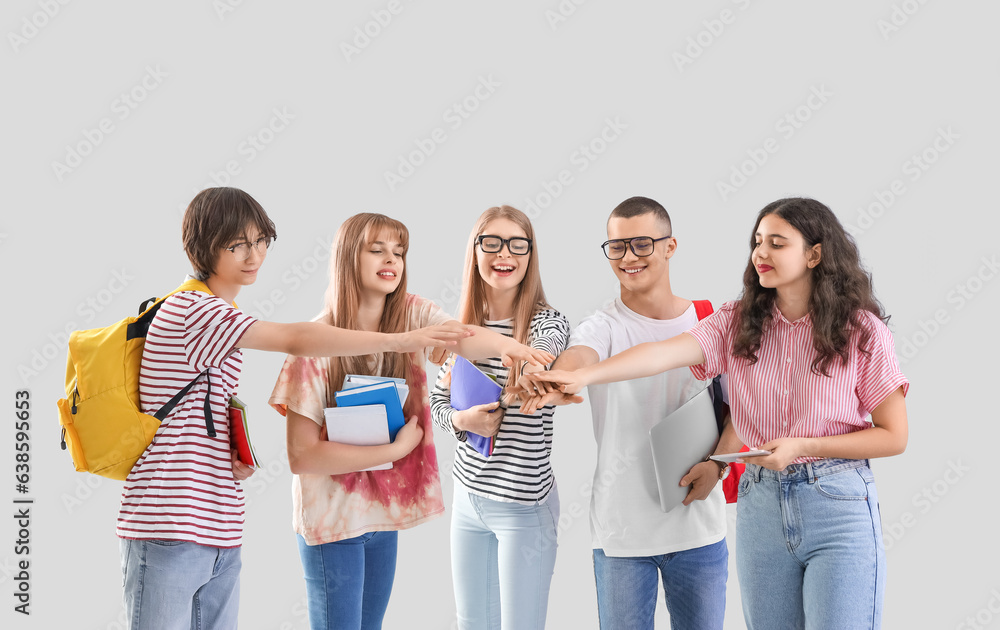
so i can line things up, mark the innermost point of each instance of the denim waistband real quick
(808, 471)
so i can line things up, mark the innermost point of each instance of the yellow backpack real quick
(101, 420)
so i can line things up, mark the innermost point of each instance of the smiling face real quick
(381, 264)
(501, 270)
(231, 272)
(635, 273)
(782, 258)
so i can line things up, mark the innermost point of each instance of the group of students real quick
(805, 349)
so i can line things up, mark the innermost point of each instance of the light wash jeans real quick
(502, 559)
(694, 587)
(175, 584)
(809, 551)
(348, 582)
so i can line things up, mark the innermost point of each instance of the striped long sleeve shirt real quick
(519, 470)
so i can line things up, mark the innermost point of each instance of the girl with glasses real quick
(506, 507)
(809, 357)
(346, 516)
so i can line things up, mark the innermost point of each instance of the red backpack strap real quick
(703, 308)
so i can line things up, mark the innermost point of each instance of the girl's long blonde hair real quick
(530, 296)
(343, 296)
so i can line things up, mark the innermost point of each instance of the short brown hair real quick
(638, 206)
(216, 218)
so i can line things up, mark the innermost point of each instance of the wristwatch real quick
(723, 467)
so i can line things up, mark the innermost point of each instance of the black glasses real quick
(518, 246)
(242, 250)
(641, 246)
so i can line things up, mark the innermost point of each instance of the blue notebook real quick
(383, 393)
(471, 387)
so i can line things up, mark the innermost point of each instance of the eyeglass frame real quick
(629, 245)
(254, 246)
(504, 242)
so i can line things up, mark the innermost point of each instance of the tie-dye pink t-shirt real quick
(327, 508)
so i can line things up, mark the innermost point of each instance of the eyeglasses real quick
(641, 246)
(242, 250)
(517, 246)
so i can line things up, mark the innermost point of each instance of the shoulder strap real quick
(703, 308)
(141, 327)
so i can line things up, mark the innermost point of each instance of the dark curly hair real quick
(841, 287)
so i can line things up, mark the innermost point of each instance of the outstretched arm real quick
(487, 343)
(316, 339)
(535, 395)
(645, 359)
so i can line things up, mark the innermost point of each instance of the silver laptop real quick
(680, 441)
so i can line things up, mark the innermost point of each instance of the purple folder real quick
(471, 387)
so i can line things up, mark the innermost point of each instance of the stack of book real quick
(369, 412)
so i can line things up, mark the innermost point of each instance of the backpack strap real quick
(165, 410)
(703, 308)
(141, 326)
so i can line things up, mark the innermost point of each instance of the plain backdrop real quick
(114, 114)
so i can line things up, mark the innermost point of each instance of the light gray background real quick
(870, 84)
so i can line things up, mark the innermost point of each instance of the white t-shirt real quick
(625, 514)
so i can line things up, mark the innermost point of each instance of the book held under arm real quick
(384, 393)
(362, 425)
(470, 386)
(239, 433)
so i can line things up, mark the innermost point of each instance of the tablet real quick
(729, 458)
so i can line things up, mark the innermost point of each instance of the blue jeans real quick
(809, 549)
(174, 584)
(694, 587)
(502, 559)
(348, 582)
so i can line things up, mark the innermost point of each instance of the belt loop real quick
(757, 470)
(810, 473)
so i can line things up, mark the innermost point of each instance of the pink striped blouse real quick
(780, 395)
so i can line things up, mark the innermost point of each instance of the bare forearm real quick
(645, 359)
(729, 442)
(335, 458)
(315, 339)
(484, 344)
(864, 444)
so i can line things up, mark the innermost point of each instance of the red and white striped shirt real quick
(780, 395)
(182, 488)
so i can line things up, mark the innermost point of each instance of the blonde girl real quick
(506, 507)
